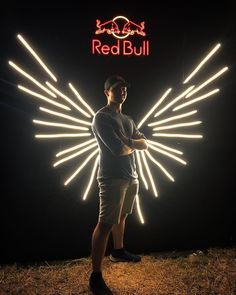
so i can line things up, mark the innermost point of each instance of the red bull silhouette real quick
(110, 27)
(132, 28)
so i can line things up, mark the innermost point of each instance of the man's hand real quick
(138, 135)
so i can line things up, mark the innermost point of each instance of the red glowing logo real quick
(120, 27)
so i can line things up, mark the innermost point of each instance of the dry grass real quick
(212, 272)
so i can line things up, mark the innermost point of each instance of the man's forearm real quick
(139, 144)
(132, 144)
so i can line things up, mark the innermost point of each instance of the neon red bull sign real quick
(120, 27)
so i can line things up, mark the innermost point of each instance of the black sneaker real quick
(98, 286)
(123, 255)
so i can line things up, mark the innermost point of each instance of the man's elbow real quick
(144, 145)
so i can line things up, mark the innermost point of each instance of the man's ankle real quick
(118, 250)
(96, 274)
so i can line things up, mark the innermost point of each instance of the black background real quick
(42, 219)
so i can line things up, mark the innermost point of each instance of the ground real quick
(212, 271)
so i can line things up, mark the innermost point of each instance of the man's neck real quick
(115, 107)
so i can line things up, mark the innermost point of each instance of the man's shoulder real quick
(100, 114)
(101, 110)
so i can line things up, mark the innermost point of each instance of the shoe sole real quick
(114, 259)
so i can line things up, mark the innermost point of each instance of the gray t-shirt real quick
(112, 164)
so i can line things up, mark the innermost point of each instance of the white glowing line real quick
(141, 169)
(196, 99)
(202, 63)
(59, 125)
(207, 81)
(154, 107)
(139, 209)
(177, 135)
(36, 56)
(177, 125)
(174, 101)
(159, 165)
(167, 154)
(81, 166)
(75, 147)
(12, 64)
(65, 116)
(149, 174)
(75, 154)
(62, 135)
(165, 147)
(81, 99)
(91, 178)
(44, 98)
(68, 100)
(172, 118)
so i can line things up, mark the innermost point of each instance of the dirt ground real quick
(210, 272)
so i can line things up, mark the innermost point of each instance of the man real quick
(117, 137)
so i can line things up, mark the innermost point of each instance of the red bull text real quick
(120, 28)
(122, 47)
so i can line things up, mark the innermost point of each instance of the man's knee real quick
(103, 226)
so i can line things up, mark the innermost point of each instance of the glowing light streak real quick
(139, 209)
(59, 125)
(35, 55)
(91, 178)
(68, 100)
(141, 169)
(65, 116)
(207, 81)
(160, 166)
(196, 99)
(44, 98)
(177, 135)
(75, 147)
(165, 147)
(202, 63)
(149, 174)
(18, 69)
(174, 101)
(81, 99)
(154, 107)
(62, 135)
(177, 125)
(75, 154)
(172, 118)
(167, 154)
(81, 166)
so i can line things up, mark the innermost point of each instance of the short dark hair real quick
(115, 80)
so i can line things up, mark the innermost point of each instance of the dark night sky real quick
(41, 219)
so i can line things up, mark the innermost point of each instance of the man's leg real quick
(119, 253)
(99, 244)
(118, 233)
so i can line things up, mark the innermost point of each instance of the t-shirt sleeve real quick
(136, 133)
(103, 128)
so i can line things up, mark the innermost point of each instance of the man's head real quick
(115, 88)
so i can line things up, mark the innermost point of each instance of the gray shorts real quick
(117, 197)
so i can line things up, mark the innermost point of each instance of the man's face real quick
(117, 94)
